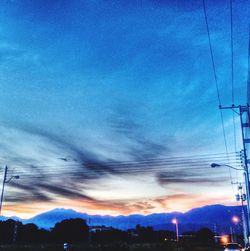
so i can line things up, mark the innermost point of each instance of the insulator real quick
(237, 196)
(244, 197)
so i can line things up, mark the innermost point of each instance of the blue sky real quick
(102, 81)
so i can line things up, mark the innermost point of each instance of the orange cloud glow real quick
(177, 202)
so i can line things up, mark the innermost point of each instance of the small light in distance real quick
(224, 239)
(235, 219)
(174, 221)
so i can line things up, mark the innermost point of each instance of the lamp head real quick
(213, 165)
(235, 219)
(174, 221)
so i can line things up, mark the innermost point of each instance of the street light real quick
(214, 165)
(224, 239)
(246, 177)
(235, 220)
(6, 181)
(175, 221)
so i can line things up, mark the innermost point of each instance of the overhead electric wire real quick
(174, 166)
(211, 52)
(190, 164)
(216, 82)
(180, 165)
(176, 160)
(171, 165)
(187, 166)
(232, 49)
(103, 164)
(232, 78)
(170, 158)
(116, 171)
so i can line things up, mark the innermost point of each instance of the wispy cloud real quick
(88, 87)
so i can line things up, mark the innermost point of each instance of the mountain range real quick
(216, 217)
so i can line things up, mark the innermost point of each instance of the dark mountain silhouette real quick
(214, 217)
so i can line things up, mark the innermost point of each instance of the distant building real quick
(95, 229)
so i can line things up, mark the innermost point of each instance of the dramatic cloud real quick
(47, 177)
(101, 100)
(184, 177)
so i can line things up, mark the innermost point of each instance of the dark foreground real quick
(109, 247)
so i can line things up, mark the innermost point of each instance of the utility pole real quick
(175, 222)
(244, 122)
(243, 112)
(231, 234)
(241, 196)
(215, 233)
(4, 182)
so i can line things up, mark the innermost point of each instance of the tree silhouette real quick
(27, 233)
(72, 230)
(109, 235)
(7, 230)
(145, 234)
(205, 235)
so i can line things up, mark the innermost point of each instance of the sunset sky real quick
(107, 106)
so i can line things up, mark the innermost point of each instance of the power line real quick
(232, 49)
(232, 77)
(149, 160)
(192, 164)
(211, 52)
(189, 165)
(216, 82)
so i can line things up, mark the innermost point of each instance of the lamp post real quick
(5, 181)
(214, 165)
(242, 197)
(235, 220)
(175, 221)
